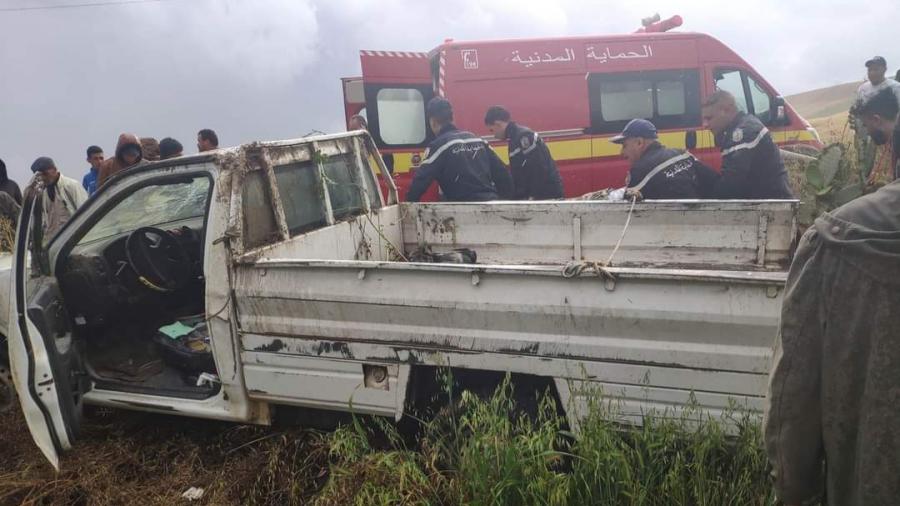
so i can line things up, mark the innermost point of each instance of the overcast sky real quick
(270, 69)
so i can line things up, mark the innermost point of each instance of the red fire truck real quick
(576, 92)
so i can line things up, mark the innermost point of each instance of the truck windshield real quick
(153, 206)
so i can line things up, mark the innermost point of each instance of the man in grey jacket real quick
(62, 196)
(833, 416)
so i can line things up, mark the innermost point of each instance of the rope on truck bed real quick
(574, 269)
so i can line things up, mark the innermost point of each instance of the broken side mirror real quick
(690, 139)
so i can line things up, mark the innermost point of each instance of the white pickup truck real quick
(226, 284)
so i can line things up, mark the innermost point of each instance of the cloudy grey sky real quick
(270, 69)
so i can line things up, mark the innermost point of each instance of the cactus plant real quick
(831, 181)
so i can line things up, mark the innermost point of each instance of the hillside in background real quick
(824, 102)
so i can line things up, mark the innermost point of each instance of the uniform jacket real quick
(678, 180)
(116, 163)
(465, 167)
(834, 392)
(751, 163)
(533, 170)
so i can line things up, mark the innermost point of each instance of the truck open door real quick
(44, 359)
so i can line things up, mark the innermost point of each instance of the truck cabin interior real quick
(133, 283)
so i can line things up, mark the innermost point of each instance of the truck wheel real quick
(7, 389)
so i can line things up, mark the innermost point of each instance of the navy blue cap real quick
(636, 128)
(41, 164)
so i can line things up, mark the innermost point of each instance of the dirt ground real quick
(133, 458)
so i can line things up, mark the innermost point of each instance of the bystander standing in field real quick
(128, 154)
(207, 140)
(833, 422)
(170, 148)
(9, 186)
(150, 148)
(876, 71)
(95, 159)
(61, 197)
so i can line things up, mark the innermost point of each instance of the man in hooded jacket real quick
(9, 186)
(833, 422)
(128, 154)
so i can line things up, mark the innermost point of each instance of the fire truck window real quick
(626, 100)
(670, 98)
(731, 81)
(299, 189)
(761, 101)
(401, 116)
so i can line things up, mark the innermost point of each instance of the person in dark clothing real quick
(657, 172)
(752, 167)
(533, 170)
(170, 148)
(9, 186)
(832, 417)
(879, 116)
(129, 153)
(465, 166)
(150, 148)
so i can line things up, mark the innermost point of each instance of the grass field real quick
(475, 454)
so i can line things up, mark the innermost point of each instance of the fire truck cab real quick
(576, 92)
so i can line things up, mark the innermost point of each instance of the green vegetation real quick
(480, 454)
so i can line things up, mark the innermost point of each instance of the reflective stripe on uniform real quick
(529, 149)
(433, 156)
(747, 145)
(656, 170)
(534, 142)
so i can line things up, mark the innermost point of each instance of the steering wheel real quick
(158, 258)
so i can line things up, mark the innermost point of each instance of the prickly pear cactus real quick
(831, 181)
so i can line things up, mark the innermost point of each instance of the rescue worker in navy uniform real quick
(657, 172)
(533, 170)
(465, 166)
(751, 161)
